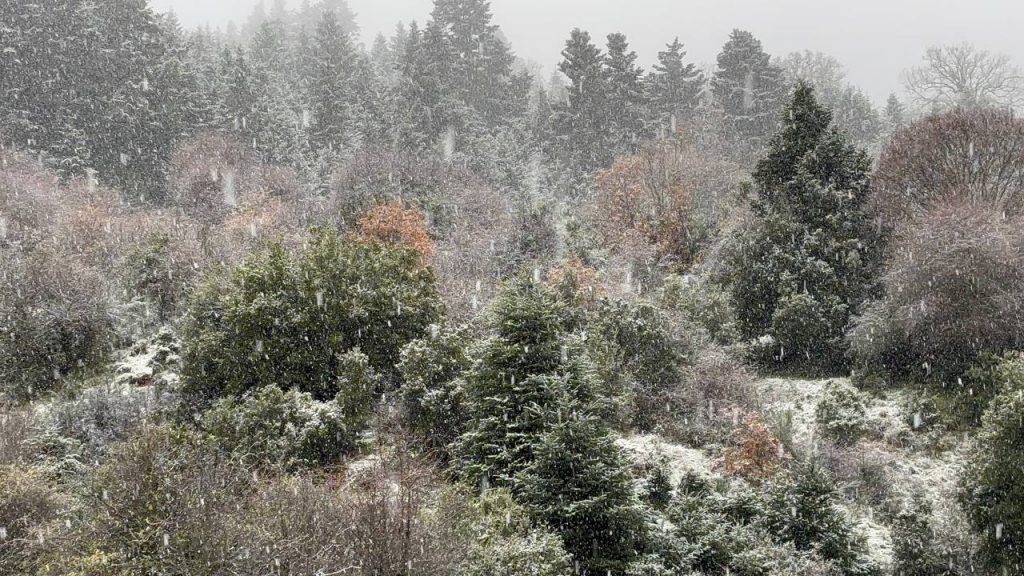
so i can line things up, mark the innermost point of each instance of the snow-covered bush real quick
(54, 320)
(914, 550)
(27, 503)
(703, 304)
(992, 489)
(505, 544)
(841, 414)
(432, 391)
(288, 319)
(289, 430)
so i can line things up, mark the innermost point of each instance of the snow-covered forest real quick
(276, 302)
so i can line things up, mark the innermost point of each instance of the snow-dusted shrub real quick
(505, 544)
(27, 503)
(100, 416)
(841, 414)
(158, 270)
(54, 319)
(992, 489)
(432, 391)
(288, 430)
(913, 541)
(288, 319)
(954, 287)
(701, 303)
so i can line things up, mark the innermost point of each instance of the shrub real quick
(26, 505)
(288, 320)
(55, 320)
(395, 224)
(952, 290)
(703, 304)
(970, 155)
(506, 545)
(914, 552)
(991, 490)
(757, 455)
(154, 270)
(432, 392)
(289, 430)
(841, 414)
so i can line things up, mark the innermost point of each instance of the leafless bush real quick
(953, 288)
(976, 156)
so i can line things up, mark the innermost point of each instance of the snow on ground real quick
(681, 459)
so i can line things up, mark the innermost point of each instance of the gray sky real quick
(875, 39)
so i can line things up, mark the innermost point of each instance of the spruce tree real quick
(583, 134)
(749, 88)
(674, 87)
(810, 255)
(330, 97)
(626, 104)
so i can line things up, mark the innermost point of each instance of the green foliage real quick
(288, 320)
(802, 510)
(432, 393)
(704, 304)
(808, 258)
(152, 270)
(639, 359)
(506, 545)
(578, 485)
(914, 551)
(290, 430)
(992, 490)
(841, 413)
(514, 391)
(55, 320)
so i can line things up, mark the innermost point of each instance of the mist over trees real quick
(273, 301)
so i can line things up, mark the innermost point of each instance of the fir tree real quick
(330, 95)
(626, 105)
(749, 88)
(582, 132)
(674, 87)
(810, 256)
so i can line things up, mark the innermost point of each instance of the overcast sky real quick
(875, 39)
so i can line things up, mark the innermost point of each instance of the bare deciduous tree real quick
(963, 76)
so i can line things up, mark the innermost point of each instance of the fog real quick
(875, 39)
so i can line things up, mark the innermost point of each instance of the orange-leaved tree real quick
(397, 224)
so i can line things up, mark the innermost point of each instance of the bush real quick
(841, 413)
(54, 320)
(757, 455)
(289, 430)
(914, 551)
(395, 224)
(26, 505)
(288, 320)
(952, 291)
(432, 392)
(992, 491)
(703, 304)
(506, 545)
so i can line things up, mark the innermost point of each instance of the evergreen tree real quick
(330, 95)
(580, 486)
(626, 104)
(749, 88)
(513, 393)
(582, 133)
(274, 121)
(674, 87)
(895, 114)
(809, 257)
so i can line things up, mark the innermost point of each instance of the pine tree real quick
(330, 97)
(581, 131)
(275, 121)
(749, 88)
(810, 256)
(626, 105)
(674, 87)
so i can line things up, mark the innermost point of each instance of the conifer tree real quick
(749, 88)
(330, 95)
(674, 87)
(810, 255)
(626, 107)
(582, 133)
